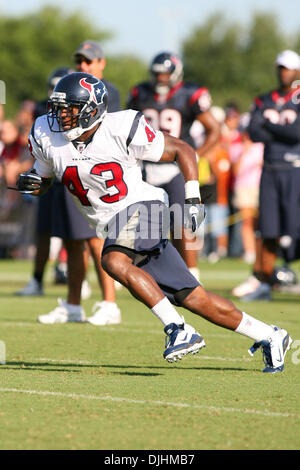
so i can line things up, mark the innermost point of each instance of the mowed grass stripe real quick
(266, 413)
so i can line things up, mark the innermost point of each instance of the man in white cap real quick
(288, 59)
(275, 121)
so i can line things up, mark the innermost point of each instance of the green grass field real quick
(76, 386)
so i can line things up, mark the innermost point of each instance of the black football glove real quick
(29, 182)
(194, 213)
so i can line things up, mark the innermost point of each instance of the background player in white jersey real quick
(173, 105)
(105, 178)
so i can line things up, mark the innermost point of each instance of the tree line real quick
(235, 62)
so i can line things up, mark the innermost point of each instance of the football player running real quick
(175, 106)
(104, 176)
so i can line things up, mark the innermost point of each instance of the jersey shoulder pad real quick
(120, 123)
(198, 94)
(40, 129)
(141, 91)
(41, 138)
(262, 100)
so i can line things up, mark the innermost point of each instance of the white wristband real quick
(192, 189)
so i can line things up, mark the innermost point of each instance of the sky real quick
(146, 28)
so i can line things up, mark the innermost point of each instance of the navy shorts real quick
(279, 203)
(140, 231)
(59, 216)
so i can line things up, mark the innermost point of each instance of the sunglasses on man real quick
(80, 59)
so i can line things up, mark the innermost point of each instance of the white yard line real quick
(216, 409)
(227, 359)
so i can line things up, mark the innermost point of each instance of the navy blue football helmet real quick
(85, 92)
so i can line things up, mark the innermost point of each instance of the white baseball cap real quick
(288, 59)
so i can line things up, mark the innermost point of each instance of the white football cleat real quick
(247, 287)
(181, 340)
(33, 287)
(274, 350)
(63, 313)
(105, 313)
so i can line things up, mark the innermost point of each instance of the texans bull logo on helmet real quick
(95, 90)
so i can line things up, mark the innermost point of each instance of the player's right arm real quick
(39, 178)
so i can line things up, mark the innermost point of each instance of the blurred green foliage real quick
(34, 45)
(234, 62)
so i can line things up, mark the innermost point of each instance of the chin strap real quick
(75, 133)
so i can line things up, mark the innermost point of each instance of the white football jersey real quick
(104, 177)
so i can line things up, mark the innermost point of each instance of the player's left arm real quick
(144, 143)
(185, 156)
(212, 131)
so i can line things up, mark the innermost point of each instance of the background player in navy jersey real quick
(173, 105)
(275, 121)
(105, 180)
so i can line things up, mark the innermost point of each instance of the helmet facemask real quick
(62, 119)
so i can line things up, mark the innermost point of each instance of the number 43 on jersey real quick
(72, 181)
